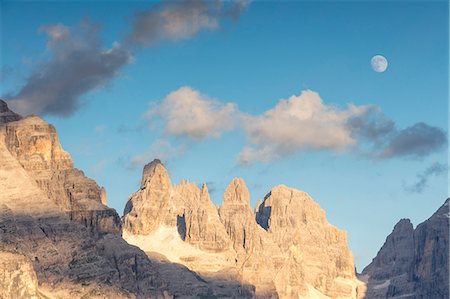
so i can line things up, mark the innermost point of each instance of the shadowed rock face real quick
(7, 115)
(18, 279)
(413, 263)
(286, 249)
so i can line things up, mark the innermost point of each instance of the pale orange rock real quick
(35, 144)
(184, 206)
(17, 277)
(286, 248)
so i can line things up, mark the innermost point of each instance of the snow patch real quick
(382, 285)
(166, 241)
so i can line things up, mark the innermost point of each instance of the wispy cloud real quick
(78, 64)
(177, 20)
(187, 112)
(100, 129)
(435, 169)
(161, 149)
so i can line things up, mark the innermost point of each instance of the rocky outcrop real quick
(71, 260)
(317, 252)
(258, 256)
(184, 206)
(285, 249)
(35, 144)
(17, 277)
(412, 263)
(7, 115)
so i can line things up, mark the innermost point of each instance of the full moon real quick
(379, 63)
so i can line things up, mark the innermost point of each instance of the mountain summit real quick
(297, 253)
(412, 263)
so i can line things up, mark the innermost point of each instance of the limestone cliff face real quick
(70, 260)
(412, 263)
(35, 144)
(258, 256)
(17, 277)
(185, 206)
(238, 218)
(285, 249)
(56, 219)
(317, 252)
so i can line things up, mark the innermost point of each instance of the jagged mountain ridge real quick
(303, 256)
(54, 221)
(412, 263)
(52, 216)
(59, 239)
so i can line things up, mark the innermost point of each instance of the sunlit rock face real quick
(317, 254)
(74, 253)
(285, 249)
(412, 263)
(35, 144)
(184, 206)
(17, 277)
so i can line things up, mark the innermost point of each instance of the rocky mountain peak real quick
(156, 175)
(237, 192)
(6, 115)
(412, 263)
(204, 195)
(3, 106)
(404, 225)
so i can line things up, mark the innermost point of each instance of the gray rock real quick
(412, 263)
(7, 115)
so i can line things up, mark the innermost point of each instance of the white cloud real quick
(187, 112)
(301, 122)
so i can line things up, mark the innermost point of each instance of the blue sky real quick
(246, 64)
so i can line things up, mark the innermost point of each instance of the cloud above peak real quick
(187, 112)
(78, 64)
(301, 122)
(177, 20)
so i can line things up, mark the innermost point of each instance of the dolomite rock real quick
(55, 217)
(285, 249)
(412, 263)
(7, 115)
(70, 260)
(318, 254)
(258, 257)
(184, 206)
(17, 277)
(35, 144)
